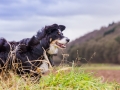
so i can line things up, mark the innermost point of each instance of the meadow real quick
(62, 78)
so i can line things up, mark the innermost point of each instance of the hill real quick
(99, 46)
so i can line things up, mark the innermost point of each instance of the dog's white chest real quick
(53, 49)
(44, 67)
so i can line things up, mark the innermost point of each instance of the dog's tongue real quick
(61, 45)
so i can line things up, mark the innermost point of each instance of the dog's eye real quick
(59, 33)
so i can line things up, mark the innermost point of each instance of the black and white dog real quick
(29, 51)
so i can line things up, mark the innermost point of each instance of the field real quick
(109, 72)
(86, 77)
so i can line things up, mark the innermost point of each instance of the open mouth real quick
(60, 45)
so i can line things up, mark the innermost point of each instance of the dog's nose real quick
(67, 40)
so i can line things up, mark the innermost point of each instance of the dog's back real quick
(4, 50)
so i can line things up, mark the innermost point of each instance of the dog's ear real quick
(52, 28)
(62, 27)
(55, 26)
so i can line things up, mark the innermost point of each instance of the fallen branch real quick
(46, 58)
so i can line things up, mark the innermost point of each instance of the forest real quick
(99, 46)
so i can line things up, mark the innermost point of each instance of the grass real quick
(74, 79)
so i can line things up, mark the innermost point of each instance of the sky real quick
(23, 18)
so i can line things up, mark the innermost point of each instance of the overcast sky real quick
(23, 18)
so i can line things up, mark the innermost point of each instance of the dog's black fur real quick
(30, 49)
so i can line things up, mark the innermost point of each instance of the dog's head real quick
(56, 38)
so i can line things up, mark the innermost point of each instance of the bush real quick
(109, 31)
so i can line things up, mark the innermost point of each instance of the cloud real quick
(75, 26)
(27, 8)
(23, 18)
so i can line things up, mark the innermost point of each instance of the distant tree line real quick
(102, 51)
(103, 47)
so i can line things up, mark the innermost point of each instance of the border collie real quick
(27, 52)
